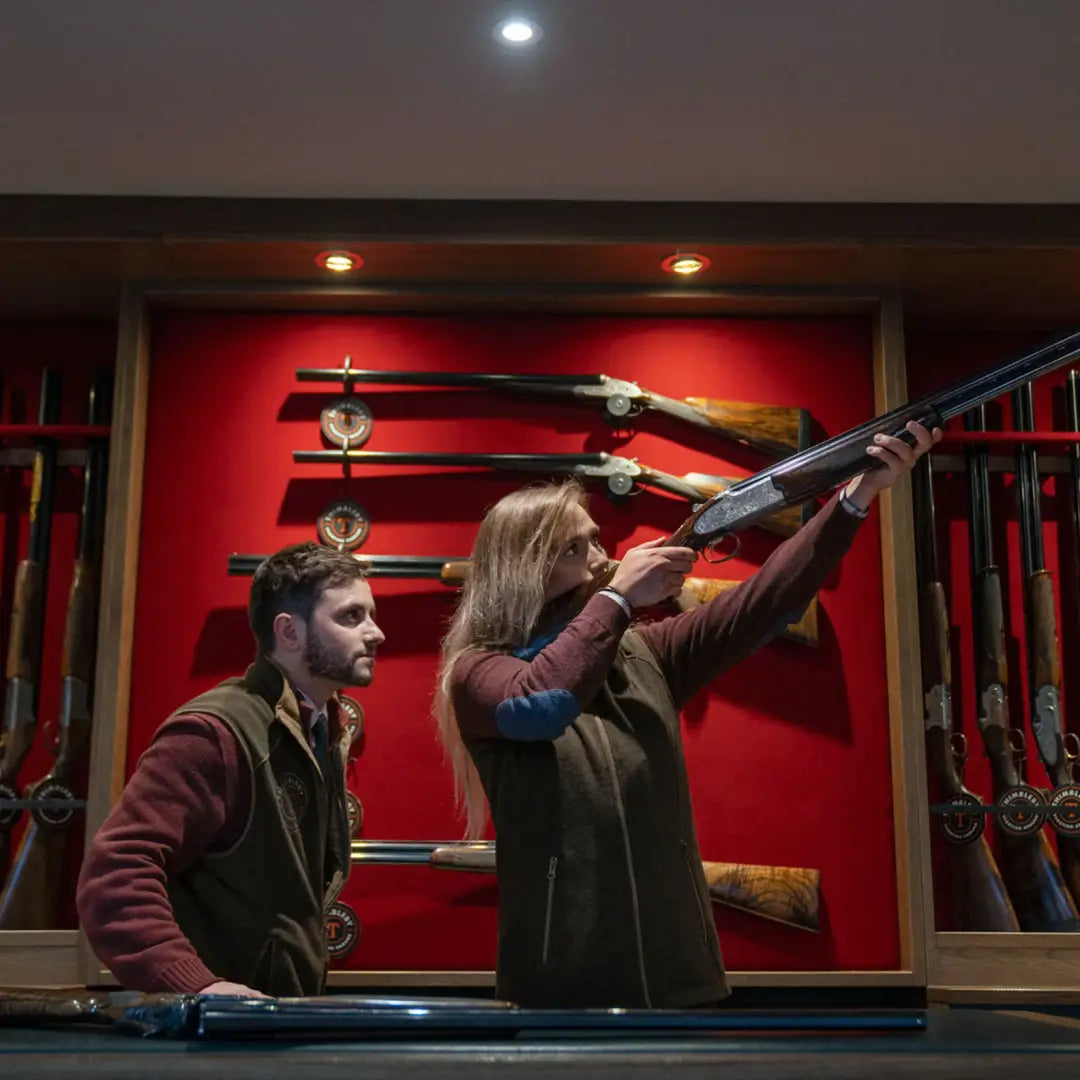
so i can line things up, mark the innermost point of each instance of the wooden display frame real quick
(70, 959)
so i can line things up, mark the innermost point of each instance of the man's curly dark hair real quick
(292, 580)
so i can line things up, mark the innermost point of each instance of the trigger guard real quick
(708, 552)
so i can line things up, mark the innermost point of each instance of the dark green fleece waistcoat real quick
(255, 913)
(603, 900)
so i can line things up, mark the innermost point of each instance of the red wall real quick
(788, 755)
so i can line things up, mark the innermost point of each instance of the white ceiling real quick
(761, 100)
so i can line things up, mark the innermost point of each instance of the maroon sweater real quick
(189, 795)
(538, 691)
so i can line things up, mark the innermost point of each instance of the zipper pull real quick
(552, 863)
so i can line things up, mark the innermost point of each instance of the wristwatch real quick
(850, 507)
(619, 599)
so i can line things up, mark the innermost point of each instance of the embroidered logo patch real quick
(342, 930)
(292, 799)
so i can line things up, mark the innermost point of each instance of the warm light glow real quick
(517, 31)
(689, 263)
(340, 262)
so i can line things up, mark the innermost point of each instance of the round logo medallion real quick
(53, 817)
(342, 930)
(8, 815)
(343, 525)
(963, 822)
(1021, 810)
(1065, 809)
(346, 422)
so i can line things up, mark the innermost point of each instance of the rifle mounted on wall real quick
(786, 894)
(621, 475)
(775, 429)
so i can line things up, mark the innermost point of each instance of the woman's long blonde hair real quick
(513, 556)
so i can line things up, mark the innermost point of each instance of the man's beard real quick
(325, 662)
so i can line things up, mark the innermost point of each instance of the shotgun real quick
(790, 895)
(1029, 868)
(454, 572)
(775, 429)
(1043, 653)
(31, 896)
(23, 668)
(978, 896)
(824, 467)
(621, 475)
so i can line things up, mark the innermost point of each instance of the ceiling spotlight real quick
(689, 263)
(340, 262)
(517, 32)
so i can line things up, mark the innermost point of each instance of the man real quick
(213, 871)
(566, 718)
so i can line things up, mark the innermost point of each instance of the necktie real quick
(315, 729)
(321, 739)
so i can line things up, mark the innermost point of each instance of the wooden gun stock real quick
(454, 573)
(27, 616)
(697, 591)
(783, 894)
(1043, 642)
(774, 428)
(27, 619)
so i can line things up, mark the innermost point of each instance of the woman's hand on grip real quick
(652, 572)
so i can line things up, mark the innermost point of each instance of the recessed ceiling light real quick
(517, 32)
(340, 262)
(685, 263)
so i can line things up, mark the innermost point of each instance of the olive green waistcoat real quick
(255, 913)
